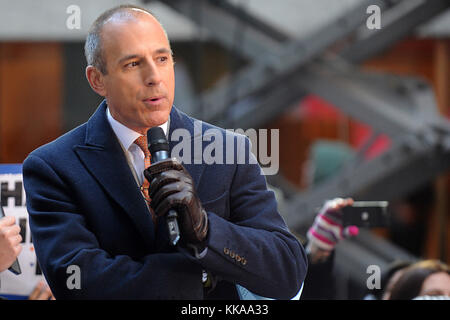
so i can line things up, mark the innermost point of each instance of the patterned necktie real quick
(142, 143)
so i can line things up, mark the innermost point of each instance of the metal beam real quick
(260, 80)
(394, 105)
(403, 20)
(271, 60)
(223, 20)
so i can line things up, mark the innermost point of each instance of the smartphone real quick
(15, 267)
(366, 214)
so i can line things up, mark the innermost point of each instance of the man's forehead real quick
(127, 15)
(131, 35)
(119, 25)
(118, 21)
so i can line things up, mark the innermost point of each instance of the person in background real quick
(325, 159)
(422, 279)
(324, 234)
(10, 248)
(388, 279)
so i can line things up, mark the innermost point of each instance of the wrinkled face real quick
(139, 84)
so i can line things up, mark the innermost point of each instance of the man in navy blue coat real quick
(88, 215)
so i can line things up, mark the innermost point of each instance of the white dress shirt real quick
(133, 152)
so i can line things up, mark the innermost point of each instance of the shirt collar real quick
(126, 135)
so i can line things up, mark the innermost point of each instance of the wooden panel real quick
(412, 57)
(438, 245)
(30, 97)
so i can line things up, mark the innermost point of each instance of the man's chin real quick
(158, 118)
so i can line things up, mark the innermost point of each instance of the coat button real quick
(226, 251)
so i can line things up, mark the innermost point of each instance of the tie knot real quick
(142, 143)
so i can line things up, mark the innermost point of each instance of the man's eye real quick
(163, 59)
(132, 64)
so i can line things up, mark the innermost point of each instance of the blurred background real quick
(357, 89)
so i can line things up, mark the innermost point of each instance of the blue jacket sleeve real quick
(254, 247)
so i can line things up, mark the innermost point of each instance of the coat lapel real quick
(103, 156)
(179, 120)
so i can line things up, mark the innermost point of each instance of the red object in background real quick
(314, 107)
(360, 133)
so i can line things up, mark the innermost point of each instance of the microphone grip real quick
(171, 217)
(159, 151)
(172, 225)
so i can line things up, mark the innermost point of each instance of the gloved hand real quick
(172, 187)
(327, 229)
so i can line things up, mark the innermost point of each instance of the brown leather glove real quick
(172, 187)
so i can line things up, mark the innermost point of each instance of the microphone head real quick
(157, 140)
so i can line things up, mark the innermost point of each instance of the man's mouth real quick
(153, 100)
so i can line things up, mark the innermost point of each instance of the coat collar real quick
(103, 156)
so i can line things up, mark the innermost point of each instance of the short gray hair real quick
(93, 45)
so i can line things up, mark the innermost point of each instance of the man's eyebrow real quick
(164, 50)
(129, 57)
(137, 56)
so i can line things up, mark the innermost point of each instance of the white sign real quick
(12, 197)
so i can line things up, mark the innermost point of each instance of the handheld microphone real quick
(159, 150)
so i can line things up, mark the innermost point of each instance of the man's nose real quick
(152, 75)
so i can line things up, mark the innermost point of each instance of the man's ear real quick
(96, 80)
